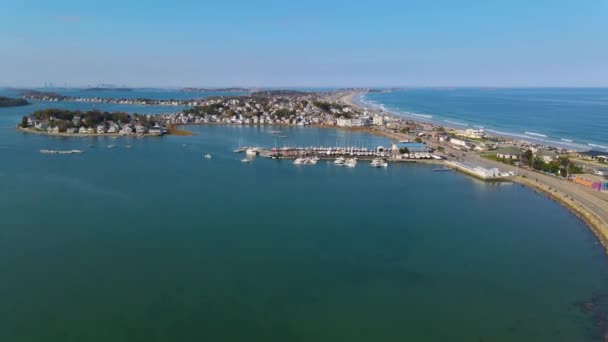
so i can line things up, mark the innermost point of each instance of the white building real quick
(474, 133)
(378, 120)
(462, 143)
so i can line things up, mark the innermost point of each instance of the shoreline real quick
(568, 199)
(529, 137)
(596, 224)
(84, 135)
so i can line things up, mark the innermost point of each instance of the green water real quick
(156, 243)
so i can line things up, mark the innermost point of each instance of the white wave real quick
(422, 115)
(600, 146)
(567, 140)
(477, 126)
(536, 134)
(456, 123)
(548, 141)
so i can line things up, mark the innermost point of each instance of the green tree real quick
(24, 121)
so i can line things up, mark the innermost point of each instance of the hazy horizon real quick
(470, 43)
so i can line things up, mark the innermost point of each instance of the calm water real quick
(156, 243)
(571, 117)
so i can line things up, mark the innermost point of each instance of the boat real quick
(128, 146)
(442, 169)
(379, 163)
(111, 146)
(300, 161)
(339, 161)
(60, 152)
(252, 152)
(245, 160)
(207, 156)
(351, 162)
(314, 160)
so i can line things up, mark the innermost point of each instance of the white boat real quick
(252, 152)
(339, 161)
(60, 152)
(300, 161)
(379, 163)
(352, 162)
(207, 156)
(313, 160)
(245, 160)
(111, 146)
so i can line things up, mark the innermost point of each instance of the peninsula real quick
(12, 102)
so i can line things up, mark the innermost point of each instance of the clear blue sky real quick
(305, 43)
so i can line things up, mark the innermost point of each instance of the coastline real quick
(568, 198)
(596, 224)
(83, 135)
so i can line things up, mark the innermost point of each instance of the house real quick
(41, 125)
(90, 130)
(127, 129)
(113, 128)
(71, 130)
(139, 129)
(101, 129)
(547, 156)
(510, 152)
(474, 133)
(378, 120)
(82, 130)
(463, 143)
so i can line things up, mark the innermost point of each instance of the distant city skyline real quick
(305, 44)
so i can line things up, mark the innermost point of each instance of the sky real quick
(313, 43)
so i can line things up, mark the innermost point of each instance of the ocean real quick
(574, 118)
(157, 243)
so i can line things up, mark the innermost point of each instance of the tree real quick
(24, 121)
(405, 130)
(404, 150)
(418, 140)
(529, 157)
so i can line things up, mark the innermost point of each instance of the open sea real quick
(156, 243)
(574, 118)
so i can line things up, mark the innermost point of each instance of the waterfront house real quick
(82, 130)
(113, 128)
(101, 129)
(509, 152)
(461, 143)
(127, 129)
(41, 125)
(546, 155)
(90, 130)
(71, 130)
(139, 129)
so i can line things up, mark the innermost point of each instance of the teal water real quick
(156, 243)
(571, 117)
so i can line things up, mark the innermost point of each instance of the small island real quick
(78, 123)
(12, 102)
